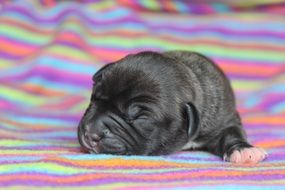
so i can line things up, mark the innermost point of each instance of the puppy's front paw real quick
(249, 155)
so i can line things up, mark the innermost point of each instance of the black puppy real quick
(158, 103)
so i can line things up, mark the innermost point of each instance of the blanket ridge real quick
(49, 52)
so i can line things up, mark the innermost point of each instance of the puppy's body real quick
(211, 93)
(151, 104)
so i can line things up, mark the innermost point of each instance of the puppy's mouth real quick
(86, 145)
(92, 143)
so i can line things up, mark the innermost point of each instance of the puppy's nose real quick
(92, 138)
(95, 138)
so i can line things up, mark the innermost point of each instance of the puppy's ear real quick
(192, 121)
(98, 75)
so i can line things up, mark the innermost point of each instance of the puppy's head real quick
(137, 108)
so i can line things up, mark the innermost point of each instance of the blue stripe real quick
(67, 65)
(115, 14)
(280, 107)
(221, 8)
(181, 7)
(278, 88)
(53, 122)
(19, 158)
(236, 186)
(47, 15)
(227, 23)
(252, 101)
(56, 134)
(23, 168)
(67, 88)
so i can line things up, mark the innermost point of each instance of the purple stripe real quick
(10, 57)
(93, 47)
(189, 158)
(246, 76)
(56, 138)
(62, 16)
(40, 147)
(20, 42)
(121, 167)
(264, 135)
(59, 76)
(110, 179)
(273, 157)
(270, 100)
(262, 126)
(241, 62)
(44, 131)
(108, 47)
(63, 115)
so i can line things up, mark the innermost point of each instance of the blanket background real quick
(49, 51)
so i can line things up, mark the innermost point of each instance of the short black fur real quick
(156, 103)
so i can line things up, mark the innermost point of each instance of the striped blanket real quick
(49, 51)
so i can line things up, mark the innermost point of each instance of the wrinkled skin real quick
(159, 103)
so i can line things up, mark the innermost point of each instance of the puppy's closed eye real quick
(137, 105)
(133, 111)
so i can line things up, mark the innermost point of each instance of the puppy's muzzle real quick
(88, 141)
(95, 137)
(91, 138)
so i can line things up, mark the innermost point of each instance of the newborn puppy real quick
(159, 103)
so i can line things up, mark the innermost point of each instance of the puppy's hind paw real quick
(250, 155)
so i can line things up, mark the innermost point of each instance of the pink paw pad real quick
(247, 155)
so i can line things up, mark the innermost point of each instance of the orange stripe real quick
(117, 162)
(108, 55)
(36, 89)
(32, 88)
(170, 6)
(259, 70)
(152, 177)
(64, 103)
(79, 61)
(271, 144)
(279, 120)
(37, 127)
(49, 3)
(26, 26)
(113, 163)
(167, 37)
(15, 48)
(87, 31)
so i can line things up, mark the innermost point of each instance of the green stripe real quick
(71, 52)
(24, 35)
(102, 5)
(20, 96)
(113, 41)
(210, 49)
(42, 167)
(151, 4)
(247, 85)
(36, 152)
(7, 126)
(20, 143)
(49, 167)
(5, 64)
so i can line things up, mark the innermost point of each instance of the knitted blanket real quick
(49, 51)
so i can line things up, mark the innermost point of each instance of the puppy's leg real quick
(231, 145)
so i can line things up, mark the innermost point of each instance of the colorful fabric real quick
(48, 55)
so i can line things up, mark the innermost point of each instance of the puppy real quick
(159, 103)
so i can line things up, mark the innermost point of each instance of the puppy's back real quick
(215, 98)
